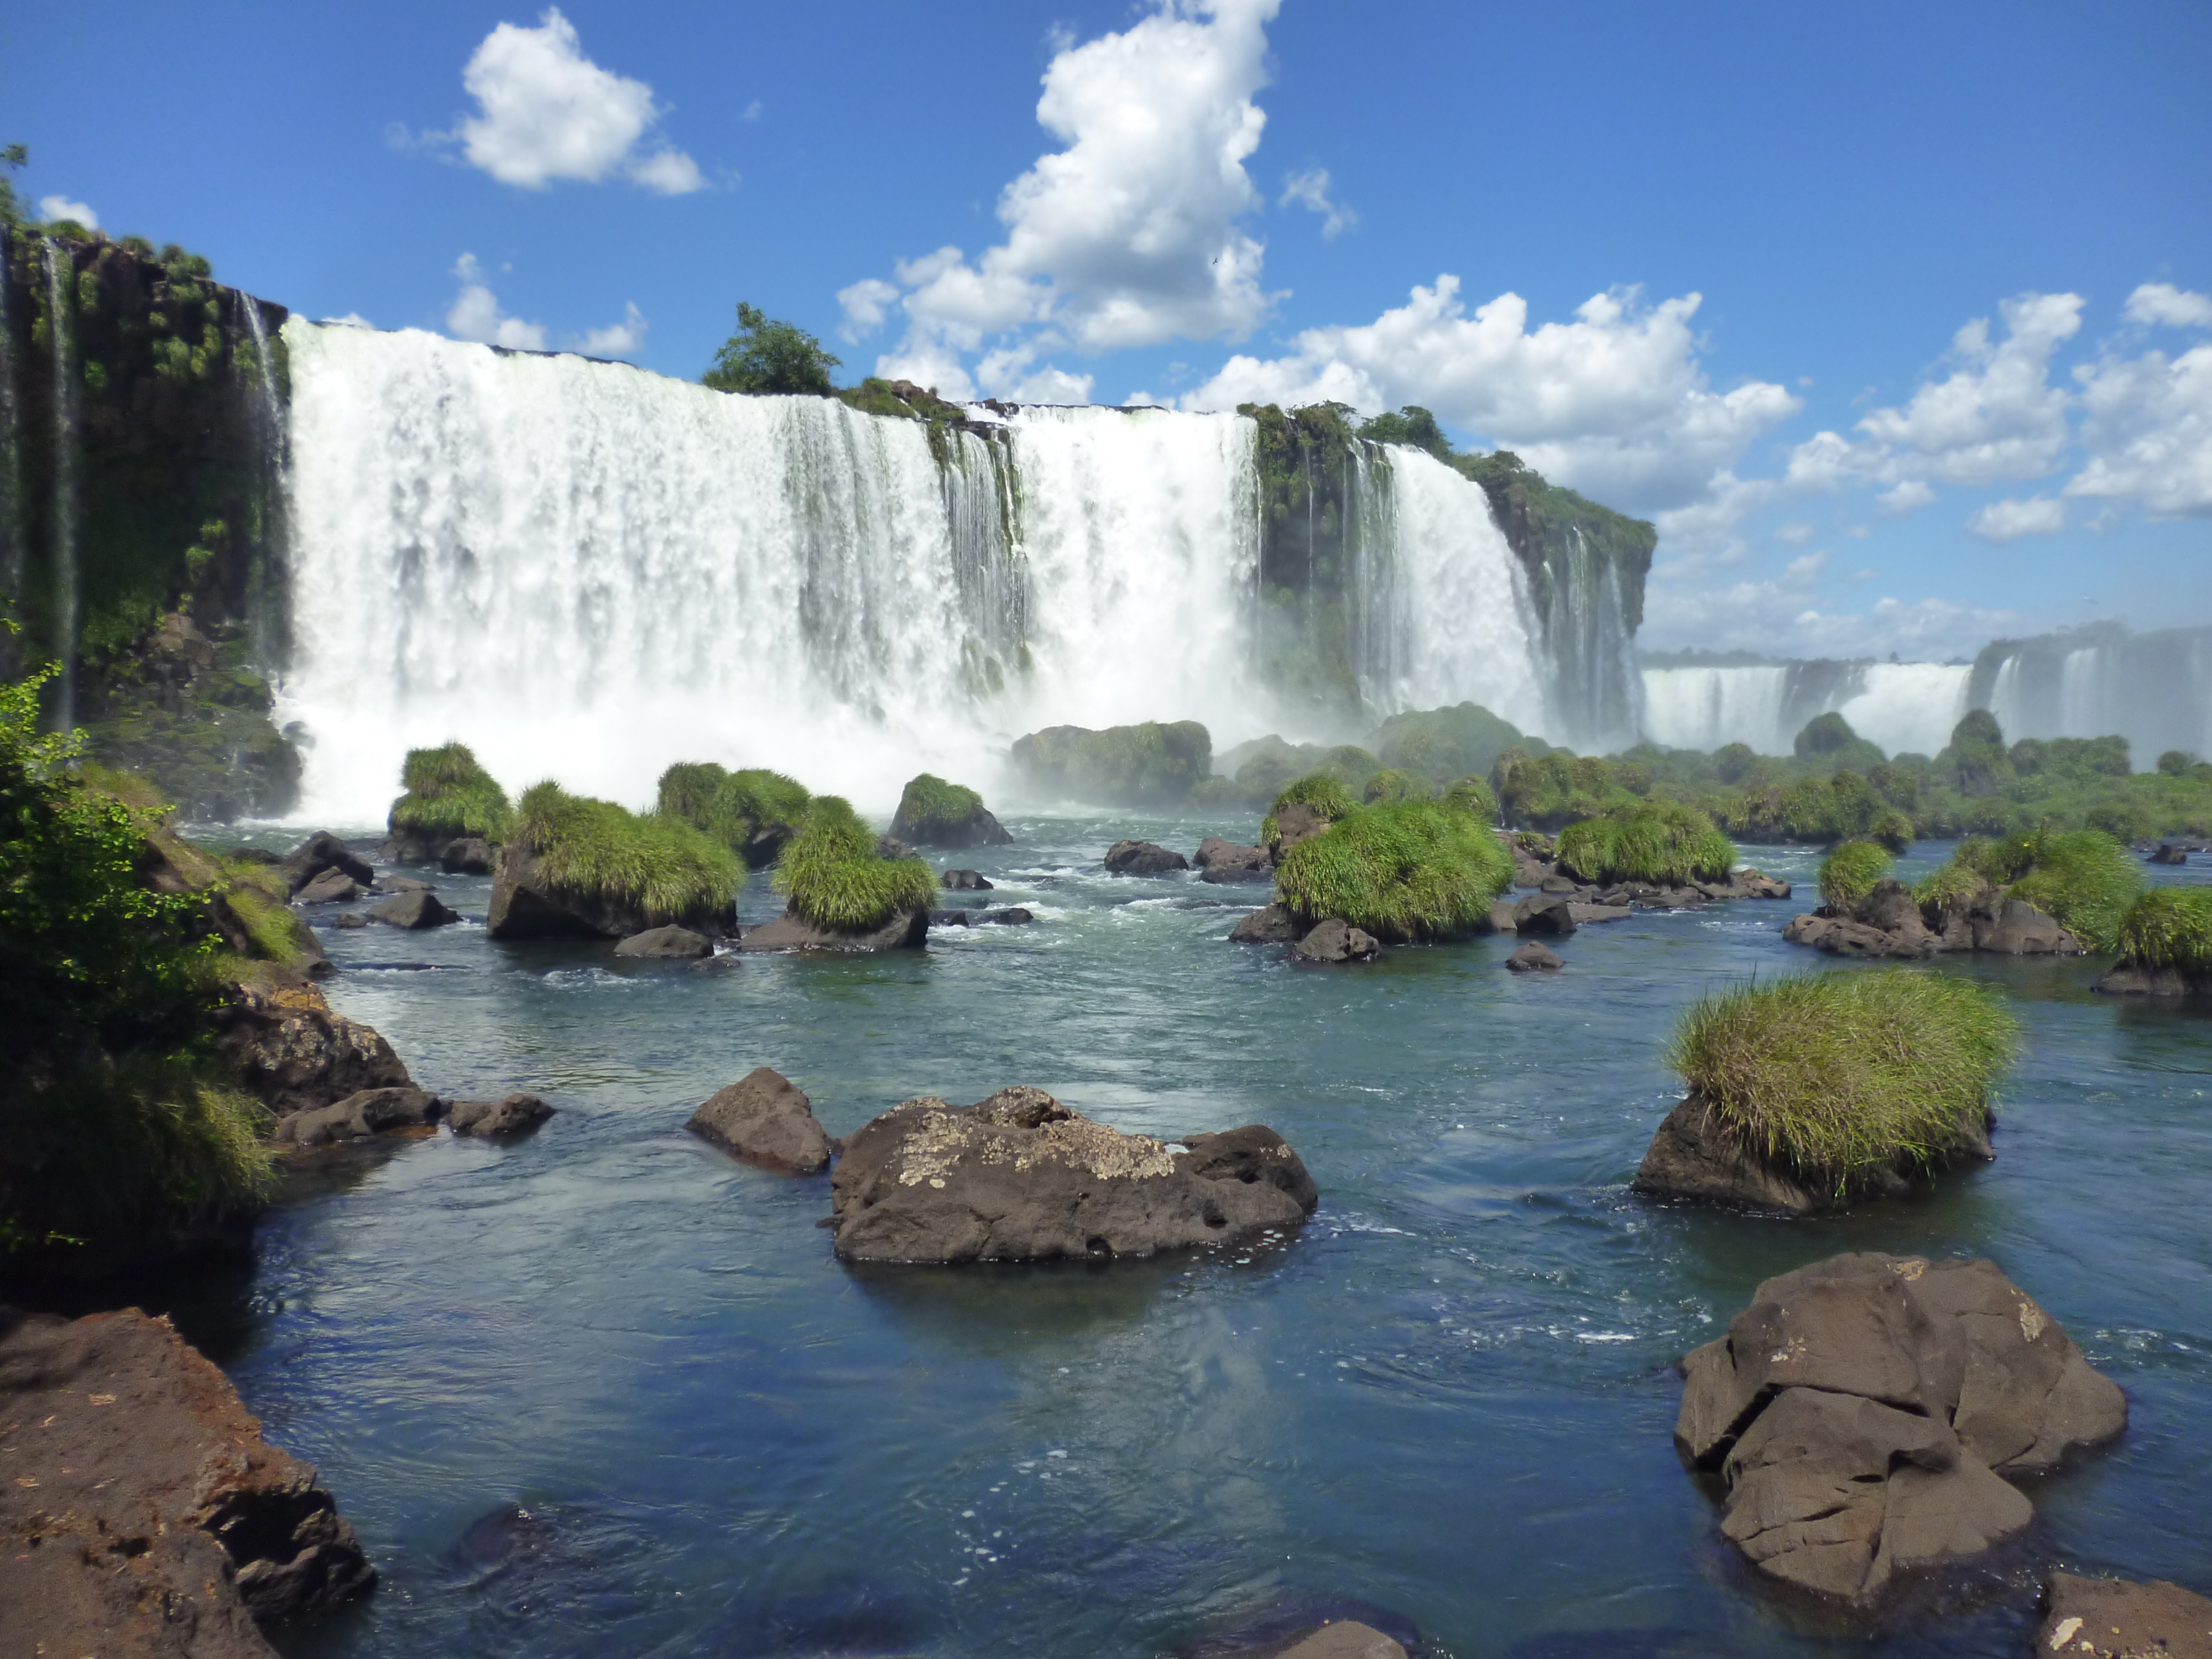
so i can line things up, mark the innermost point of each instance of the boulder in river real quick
(934, 813)
(906, 930)
(1021, 1177)
(1545, 913)
(964, 881)
(526, 904)
(1013, 916)
(1220, 860)
(497, 1120)
(671, 941)
(1272, 924)
(370, 1112)
(417, 907)
(764, 1118)
(1533, 959)
(321, 852)
(1890, 922)
(1294, 823)
(2113, 1618)
(467, 855)
(1337, 941)
(2167, 852)
(144, 1514)
(282, 1041)
(1142, 858)
(329, 887)
(1862, 1411)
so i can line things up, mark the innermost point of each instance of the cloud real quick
(1781, 617)
(1908, 496)
(351, 319)
(1615, 403)
(2007, 521)
(620, 339)
(546, 112)
(476, 315)
(865, 303)
(2163, 304)
(1131, 233)
(2148, 433)
(1309, 189)
(61, 207)
(1794, 535)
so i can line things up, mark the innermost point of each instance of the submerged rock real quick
(1013, 916)
(1337, 941)
(2113, 1618)
(1220, 860)
(666, 942)
(497, 1120)
(1142, 858)
(963, 881)
(416, 909)
(906, 930)
(764, 1118)
(1533, 959)
(144, 1514)
(1862, 1411)
(2167, 852)
(2130, 979)
(283, 1042)
(1272, 925)
(1020, 1178)
(370, 1112)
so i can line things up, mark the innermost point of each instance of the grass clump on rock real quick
(1654, 841)
(1473, 796)
(449, 795)
(1402, 870)
(753, 810)
(655, 861)
(1329, 797)
(1843, 1078)
(831, 875)
(1849, 873)
(2083, 878)
(2170, 927)
(934, 813)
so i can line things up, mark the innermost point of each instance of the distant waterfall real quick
(1898, 707)
(2154, 690)
(587, 571)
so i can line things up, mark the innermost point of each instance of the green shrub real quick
(653, 860)
(931, 808)
(449, 795)
(1660, 841)
(1472, 796)
(1325, 794)
(1439, 744)
(1953, 884)
(2086, 879)
(1849, 873)
(753, 811)
(1145, 765)
(1403, 870)
(1840, 1076)
(2170, 927)
(831, 875)
(1550, 791)
(2176, 762)
(1892, 829)
(1394, 784)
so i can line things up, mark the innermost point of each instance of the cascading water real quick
(2154, 690)
(61, 314)
(267, 404)
(587, 571)
(1897, 707)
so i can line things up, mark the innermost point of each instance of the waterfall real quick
(11, 512)
(1897, 707)
(2154, 690)
(61, 322)
(266, 405)
(587, 571)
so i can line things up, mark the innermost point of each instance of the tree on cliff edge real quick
(765, 354)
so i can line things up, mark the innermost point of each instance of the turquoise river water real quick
(1449, 1400)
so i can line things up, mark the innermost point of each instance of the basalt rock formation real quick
(280, 1039)
(1890, 922)
(766, 1119)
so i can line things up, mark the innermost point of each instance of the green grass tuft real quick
(1656, 840)
(448, 793)
(2170, 927)
(2085, 878)
(1395, 785)
(656, 862)
(1413, 869)
(832, 877)
(1473, 796)
(930, 808)
(1849, 873)
(1327, 795)
(1839, 1075)
(1954, 884)
(734, 807)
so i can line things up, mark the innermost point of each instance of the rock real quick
(979, 829)
(491, 1120)
(330, 887)
(1586, 915)
(1752, 885)
(1533, 959)
(283, 1042)
(907, 929)
(1221, 860)
(2169, 853)
(1294, 824)
(1142, 858)
(1013, 916)
(1337, 941)
(1862, 1411)
(1271, 925)
(410, 847)
(144, 1514)
(399, 884)
(418, 909)
(348, 919)
(963, 881)
(765, 1119)
(2126, 979)
(1346, 1639)
(670, 941)
(325, 851)
(370, 1112)
(1020, 1178)
(948, 918)
(524, 904)
(1545, 913)
(1557, 884)
(2113, 1619)
(2018, 929)
(890, 847)
(467, 855)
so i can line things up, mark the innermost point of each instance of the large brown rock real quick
(906, 930)
(143, 1514)
(2127, 978)
(1294, 824)
(280, 1039)
(2113, 1619)
(764, 1118)
(1020, 1178)
(671, 942)
(525, 903)
(371, 1112)
(1142, 858)
(1220, 860)
(1334, 941)
(1272, 924)
(1862, 1411)
(417, 908)
(1547, 914)
(503, 1119)
(322, 851)
(1695, 1154)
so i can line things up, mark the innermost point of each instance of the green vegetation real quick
(930, 810)
(1327, 795)
(1849, 873)
(1551, 791)
(653, 860)
(2170, 927)
(832, 876)
(1444, 743)
(12, 157)
(1842, 1077)
(447, 795)
(112, 1131)
(1472, 796)
(1660, 841)
(1404, 870)
(766, 356)
(1830, 737)
(753, 811)
(1395, 785)
(2083, 878)
(1146, 765)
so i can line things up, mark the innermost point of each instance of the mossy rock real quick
(934, 813)
(578, 868)
(1664, 843)
(1145, 765)
(833, 878)
(1405, 870)
(753, 810)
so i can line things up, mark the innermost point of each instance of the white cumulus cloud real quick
(2162, 303)
(865, 303)
(2148, 433)
(2002, 522)
(475, 314)
(1309, 190)
(546, 112)
(61, 207)
(620, 339)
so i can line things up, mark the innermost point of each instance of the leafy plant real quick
(1848, 875)
(1404, 870)
(832, 877)
(767, 355)
(2170, 927)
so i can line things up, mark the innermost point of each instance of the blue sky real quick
(1947, 373)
